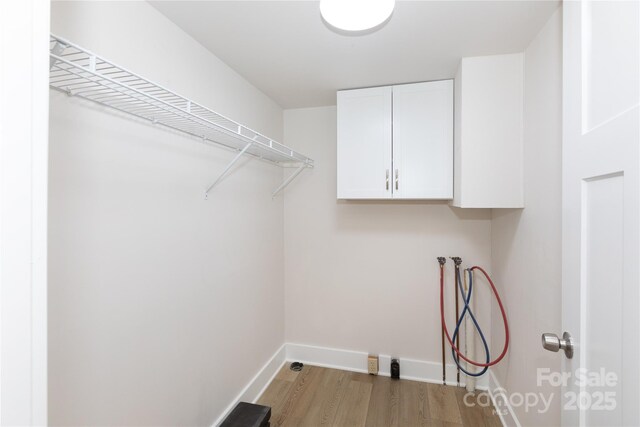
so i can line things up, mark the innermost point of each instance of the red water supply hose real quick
(504, 320)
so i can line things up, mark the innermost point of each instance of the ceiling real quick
(286, 50)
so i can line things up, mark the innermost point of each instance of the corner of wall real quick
(457, 137)
(515, 234)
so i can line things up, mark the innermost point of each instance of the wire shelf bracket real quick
(288, 180)
(225, 172)
(81, 73)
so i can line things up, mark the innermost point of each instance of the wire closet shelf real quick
(79, 72)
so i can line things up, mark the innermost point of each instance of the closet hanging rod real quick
(81, 73)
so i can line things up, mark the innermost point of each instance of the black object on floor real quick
(395, 369)
(296, 366)
(248, 415)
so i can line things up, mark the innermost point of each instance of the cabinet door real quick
(423, 140)
(364, 143)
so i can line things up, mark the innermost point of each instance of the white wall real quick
(154, 291)
(363, 275)
(162, 305)
(526, 244)
(24, 95)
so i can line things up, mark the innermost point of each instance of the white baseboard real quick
(502, 405)
(252, 391)
(356, 361)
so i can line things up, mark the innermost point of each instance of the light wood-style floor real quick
(329, 397)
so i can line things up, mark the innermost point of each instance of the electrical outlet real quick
(372, 364)
(395, 369)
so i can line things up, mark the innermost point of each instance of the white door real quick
(601, 215)
(423, 140)
(364, 143)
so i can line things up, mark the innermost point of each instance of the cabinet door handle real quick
(387, 179)
(397, 179)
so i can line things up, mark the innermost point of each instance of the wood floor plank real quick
(332, 403)
(491, 417)
(471, 412)
(414, 404)
(378, 412)
(309, 397)
(355, 405)
(366, 378)
(443, 403)
(440, 423)
(275, 394)
(327, 399)
(286, 374)
(297, 390)
(394, 403)
(319, 396)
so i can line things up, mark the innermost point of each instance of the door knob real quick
(553, 343)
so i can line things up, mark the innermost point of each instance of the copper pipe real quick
(457, 261)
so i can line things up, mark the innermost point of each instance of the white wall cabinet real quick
(396, 142)
(364, 143)
(489, 98)
(423, 140)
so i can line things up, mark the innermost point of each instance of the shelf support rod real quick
(225, 172)
(288, 180)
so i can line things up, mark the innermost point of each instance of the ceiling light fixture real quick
(356, 15)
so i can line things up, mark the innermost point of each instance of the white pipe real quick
(470, 351)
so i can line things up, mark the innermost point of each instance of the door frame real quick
(24, 133)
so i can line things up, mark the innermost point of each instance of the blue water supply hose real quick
(467, 310)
